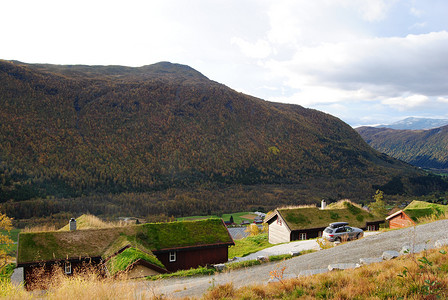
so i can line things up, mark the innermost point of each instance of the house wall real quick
(310, 233)
(400, 221)
(278, 232)
(186, 259)
(37, 276)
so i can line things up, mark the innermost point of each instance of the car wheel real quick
(338, 240)
(359, 235)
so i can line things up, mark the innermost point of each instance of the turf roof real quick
(59, 245)
(123, 260)
(419, 209)
(313, 217)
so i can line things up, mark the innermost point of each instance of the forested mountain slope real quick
(422, 148)
(75, 131)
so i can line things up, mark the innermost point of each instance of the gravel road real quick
(368, 247)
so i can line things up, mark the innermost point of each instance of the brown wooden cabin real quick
(399, 219)
(302, 223)
(157, 248)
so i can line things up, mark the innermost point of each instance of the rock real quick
(262, 258)
(294, 253)
(312, 272)
(333, 267)
(368, 261)
(390, 254)
(219, 267)
(17, 276)
(441, 243)
(408, 248)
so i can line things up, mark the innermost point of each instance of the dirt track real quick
(367, 247)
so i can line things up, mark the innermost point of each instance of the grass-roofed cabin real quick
(301, 223)
(413, 212)
(138, 250)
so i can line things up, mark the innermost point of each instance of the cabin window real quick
(319, 234)
(68, 268)
(172, 256)
(279, 221)
(371, 228)
(302, 236)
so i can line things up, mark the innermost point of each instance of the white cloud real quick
(416, 12)
(407, 103)
(388, 67)
(259, 49)
(373, 10)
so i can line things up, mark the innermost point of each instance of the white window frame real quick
(68, 267)
(302, 236)
(172, 256)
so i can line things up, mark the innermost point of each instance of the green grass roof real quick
(127, 257)
(313, 217)
(419, 209)
(58, 245)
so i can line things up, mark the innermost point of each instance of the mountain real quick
(165, 139)
(416, 123)
(421, 148)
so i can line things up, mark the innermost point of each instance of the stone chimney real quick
(323, 204)
(72, 224)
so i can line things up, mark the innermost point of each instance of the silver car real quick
(340, 231)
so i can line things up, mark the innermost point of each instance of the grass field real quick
(249, 245)
(237, 217)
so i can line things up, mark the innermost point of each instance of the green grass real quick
(184, 273)
(249, 245)
(237, 217)
(6, 272)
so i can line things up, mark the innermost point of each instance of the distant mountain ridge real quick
(416, 124)
(72, 131)
(421, 148)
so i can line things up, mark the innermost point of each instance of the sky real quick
(364, 61)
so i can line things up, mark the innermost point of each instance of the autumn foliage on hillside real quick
(422, 148)
(75, 131)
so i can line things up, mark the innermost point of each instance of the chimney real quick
(323, 204)
(72, 224)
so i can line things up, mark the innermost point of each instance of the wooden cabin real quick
(138, 250)
(302, 223)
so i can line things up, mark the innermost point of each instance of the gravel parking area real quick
(370, 246)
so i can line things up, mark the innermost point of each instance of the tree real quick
(253, 230)
(379, 206)
(5, 225)
(231, 220)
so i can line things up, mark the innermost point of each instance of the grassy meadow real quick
(237, 217)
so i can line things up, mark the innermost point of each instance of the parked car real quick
(340, 231)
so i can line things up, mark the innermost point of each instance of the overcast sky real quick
(364, 61)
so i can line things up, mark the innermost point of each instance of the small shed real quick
(399, 219)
